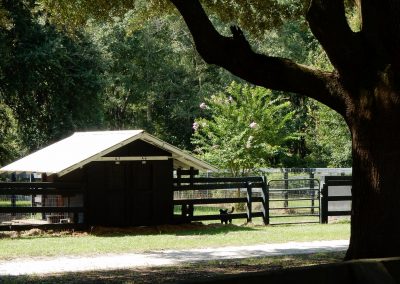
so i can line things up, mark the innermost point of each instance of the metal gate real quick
(294, 201)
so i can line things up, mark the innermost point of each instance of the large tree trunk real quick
(367, 63)
(375, 123)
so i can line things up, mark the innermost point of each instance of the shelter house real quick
(127, 175)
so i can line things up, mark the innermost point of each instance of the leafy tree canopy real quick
(253, 16)
(10, 142)
(154, 80)
(245, 130)
(48, 79)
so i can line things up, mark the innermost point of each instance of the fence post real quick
(286, 196)
(85, 200)
(13, 196)
(191, 176)
(265, 201)
(249, 211)
(190, 213)
(312, 192)
(324, 205)
(178, 177)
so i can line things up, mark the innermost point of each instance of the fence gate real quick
(294, 201)
(200, 199)
(283, 201)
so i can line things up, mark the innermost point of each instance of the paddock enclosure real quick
(130, 178)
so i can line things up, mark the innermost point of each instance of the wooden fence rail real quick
(13, 192)
(54, 185)
(246, 183)
(310, 190)
(336, 197)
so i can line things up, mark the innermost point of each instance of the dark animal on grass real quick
(225, 216)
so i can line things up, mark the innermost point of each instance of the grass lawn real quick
(186, 272)
(162, 237)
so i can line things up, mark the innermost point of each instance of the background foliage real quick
(154, 78)
(49, 80)
(70, 66)
(247, 129)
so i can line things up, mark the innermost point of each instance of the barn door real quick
(130, 193)
(149, 193)
(140, 194)
(106, 194)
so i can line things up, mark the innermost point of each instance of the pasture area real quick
(36, 243)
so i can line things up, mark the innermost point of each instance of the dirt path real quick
(161, 258)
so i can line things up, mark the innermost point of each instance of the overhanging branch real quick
(345, 49)
(235, 54)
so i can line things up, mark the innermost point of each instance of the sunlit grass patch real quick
(101, 241)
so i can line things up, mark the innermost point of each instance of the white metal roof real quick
(83, 147)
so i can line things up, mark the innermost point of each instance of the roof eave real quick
(100, 154)
(179, 154)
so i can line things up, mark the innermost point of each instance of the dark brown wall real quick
(128, 193)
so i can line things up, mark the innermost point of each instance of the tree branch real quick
(345, 48)
(381, 28)
(235, 54)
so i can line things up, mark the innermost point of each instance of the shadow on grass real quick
(182, 273)
(178, 230)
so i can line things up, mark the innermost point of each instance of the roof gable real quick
(138, 148)
(83, 147)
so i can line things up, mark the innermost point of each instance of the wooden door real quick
(106, 194)
(149, 195)
(130, 193)
(140, 194)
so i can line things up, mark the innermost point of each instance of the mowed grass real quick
(165, 237)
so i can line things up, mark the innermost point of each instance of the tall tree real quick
(363, 88)
(10, 142)
(50, 79)
(246, 129)
(328, 139)
(154, 78)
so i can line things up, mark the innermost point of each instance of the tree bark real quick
(364, 89)
(374, 122)
(376, 201)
